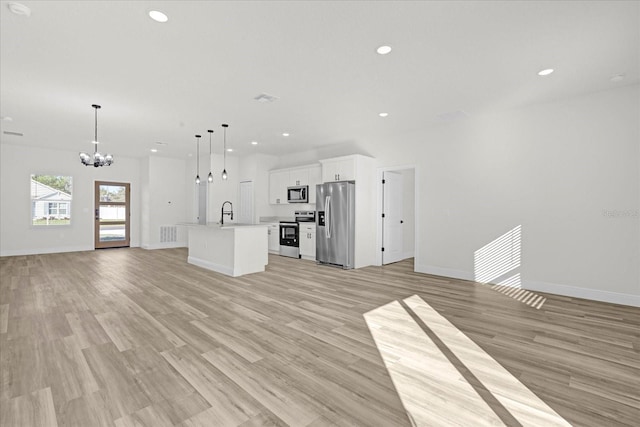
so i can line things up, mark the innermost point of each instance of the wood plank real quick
(32, 409)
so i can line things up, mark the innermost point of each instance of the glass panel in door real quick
(111, 214)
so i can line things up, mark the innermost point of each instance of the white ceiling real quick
(167, 82)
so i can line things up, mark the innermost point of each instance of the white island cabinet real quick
(233, 250)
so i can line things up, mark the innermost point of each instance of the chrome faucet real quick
(223, 213)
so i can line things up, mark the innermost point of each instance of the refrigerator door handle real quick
(327, 209)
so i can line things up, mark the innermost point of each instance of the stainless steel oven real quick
(289, 241)
(290, 233)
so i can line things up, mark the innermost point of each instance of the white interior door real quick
(392, 221)
(246, 203)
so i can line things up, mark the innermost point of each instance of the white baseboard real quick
(39, 251)
(166, 245)
(585, 293)
(210, 265)
(446, 272)
(550, 288)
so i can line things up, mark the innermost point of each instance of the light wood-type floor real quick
(130, 337)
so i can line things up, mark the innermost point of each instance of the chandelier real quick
(96, 159)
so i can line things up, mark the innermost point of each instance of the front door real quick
(111, 214)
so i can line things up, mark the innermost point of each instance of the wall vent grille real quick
(168, 233)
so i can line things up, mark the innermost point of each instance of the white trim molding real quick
(584, 293)
(166, 245)
(210, 266)
(41, 251)
(445, 272)
(549, 288)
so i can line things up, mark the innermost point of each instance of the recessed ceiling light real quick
(229, 149)
(618, 78)
(383, 50)
(7, 118)
(153, 150)
(158, 16)
(19, 9)
(285, 134)
(545, 72)
(383, 114)
(254, 142)
(95, 142)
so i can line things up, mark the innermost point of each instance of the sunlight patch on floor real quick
(512, 287)
(465, 386)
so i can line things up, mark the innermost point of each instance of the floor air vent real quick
(168, 233)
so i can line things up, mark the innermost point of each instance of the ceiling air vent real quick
(265, 98)
(453, 115)
(6, 132)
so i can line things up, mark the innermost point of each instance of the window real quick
(50, 200)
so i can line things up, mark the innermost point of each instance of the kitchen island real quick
(233, 250)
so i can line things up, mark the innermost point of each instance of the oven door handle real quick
(327, 225)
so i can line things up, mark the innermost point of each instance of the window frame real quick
(40, 222)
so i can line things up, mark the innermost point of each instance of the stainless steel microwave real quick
(298, 194)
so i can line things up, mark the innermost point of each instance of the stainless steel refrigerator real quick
(335, 223)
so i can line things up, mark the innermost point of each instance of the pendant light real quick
(210, 177)
(198, 161)
(224, 171)
(97, 159)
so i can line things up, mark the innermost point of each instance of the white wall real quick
(408, 212)
(163, 182)
(17, 163)
(566, 171)
(553, 168)
(219, 190)
(256, 168)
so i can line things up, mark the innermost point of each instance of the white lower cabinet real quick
(308, 241)
(274, 238)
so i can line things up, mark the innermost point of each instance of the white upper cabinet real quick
(280, 179)
(278, 183)
(315, 178)
(299, 176)
(339, 169)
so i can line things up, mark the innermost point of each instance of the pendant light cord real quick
(95, 138)
(198, 157)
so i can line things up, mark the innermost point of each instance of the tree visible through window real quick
(50, 200)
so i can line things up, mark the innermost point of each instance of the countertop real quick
(275, 219)
(231, 225)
